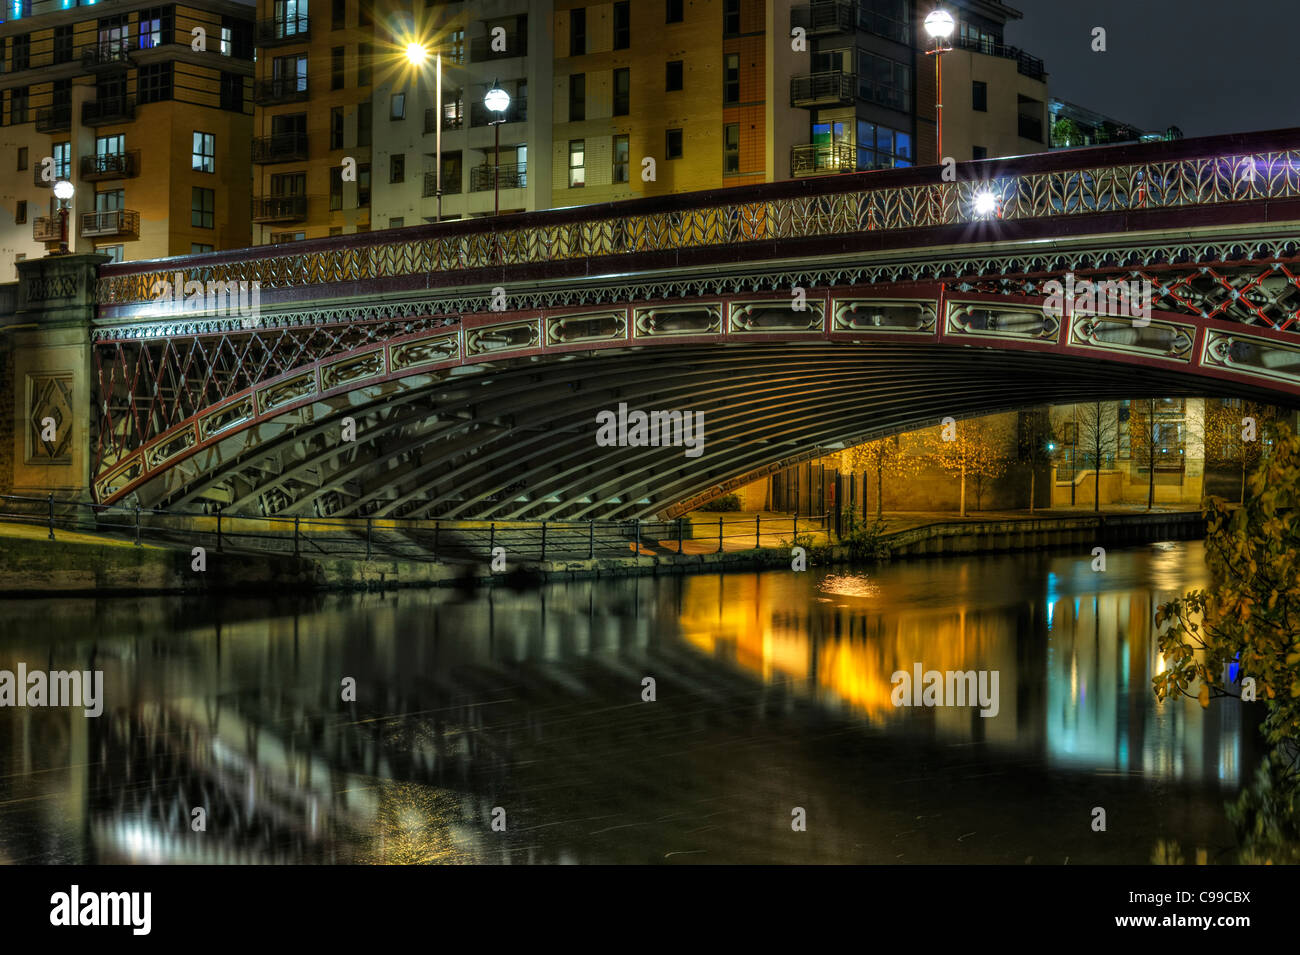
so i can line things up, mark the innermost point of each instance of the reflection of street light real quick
(498, 101)
(939, 25)
(417, 56)
(63, 191)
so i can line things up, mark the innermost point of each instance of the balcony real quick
(480, 115)
(280, 147)
(279, 208)
(480, 47)
(1026, 65)
(513, 176)
(47, 229)
(832, 88)
(110, 166)
(825, 16)
(450, 184)
(112, 224)
(112, 55)
(291, 89)
(448, 122)
(278, 31)
(54, 119)
(821, 159)
(1031, 127)
(101, 112)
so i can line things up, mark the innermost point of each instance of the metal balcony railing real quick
(47, 229)
(450, 119)
(279, 208)
(113, 223)
(825, 16)
(285, 90)
(818, 159)
(516, 44)
(513, 176)
(54, 119)
(109, 55)
(1026, 65)
(450, 184)
(280, 147)
(275, 31)
(831, 88)
(100, 112)
(480, 115)
(109, 166)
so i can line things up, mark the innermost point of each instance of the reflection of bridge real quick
(917, 307)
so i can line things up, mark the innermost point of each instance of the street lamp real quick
(939, 24)
(63, 191)
(417, 55)
(498, 101)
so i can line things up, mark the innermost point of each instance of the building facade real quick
(144, 108)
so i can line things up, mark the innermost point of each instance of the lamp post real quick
(63, 191)
(939, 24)
(498, 101)
(418, 56)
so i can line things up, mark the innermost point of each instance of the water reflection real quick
(772, 690)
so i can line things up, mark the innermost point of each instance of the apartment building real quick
(144, 108)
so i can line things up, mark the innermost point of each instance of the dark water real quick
(773, 693)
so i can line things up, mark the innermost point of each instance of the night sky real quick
(1205, 66)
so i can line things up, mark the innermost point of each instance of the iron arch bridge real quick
(458, 369)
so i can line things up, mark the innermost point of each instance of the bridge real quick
(457, 369)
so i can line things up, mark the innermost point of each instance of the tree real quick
(1250, 617)
(1066, 132)
(1096, 436)
(884, 456)
(1237, 433)
(1035, 444)
(1144, 440)
(977, 450)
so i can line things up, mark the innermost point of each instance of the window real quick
(451, 174)
(673, 11)
(336, 230)
(620, 159)
(62, 160)
(622, 25)
(979, 96)
(456, 46)
(110, 200)
(577, 97)
(673, 144)
(397, 167)
(18, 105)
(731, 148)
(20, 212)
(396, 222)
(154, 82)
(365, 16)
(885, 82)
(731, 79)
(979, 152)
(197, 248)
(277, 237)
(338, 15)
(156, 26)
(397, 106)
(203, 205)
(336, 127)
(363, 186)
(887, 18)
(673, 76)
(730, 17)
(336, 68)
(622, 92)
(22, 158)
(115, 253)
(880, 147)
(63, 44)
(20, 57)
(364, 64)
(232, 92)
(290, 18)
(363, 124)
(227, 41)
(577, 32)
(336, 187)
(204, 158)
(289, 74)
(577, 163)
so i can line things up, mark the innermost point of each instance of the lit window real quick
(577, 163)
(204, 157)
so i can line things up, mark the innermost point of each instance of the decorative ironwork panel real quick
(514, 336)
(1248, 355)
(586, 327)
(1158, 339)
(780, 316)
(703, 318)
(885, 315)
(1023, 323)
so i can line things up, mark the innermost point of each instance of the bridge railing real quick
(1111, 179)
(433, 540)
